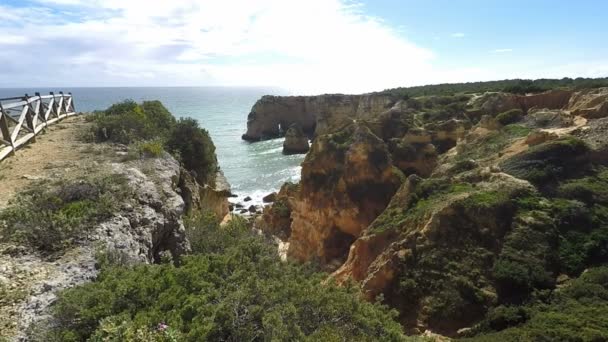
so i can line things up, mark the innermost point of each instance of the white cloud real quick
(308, 46)
(311, 46)
(501, 50)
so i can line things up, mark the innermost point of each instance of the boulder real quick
(296, 142)
(247, 199)
(271, 197)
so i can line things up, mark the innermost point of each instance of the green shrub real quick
(152, 148)
(509, 117)
(593, 189)
(550, 162)
(577, 312)
(281, 208)
(195, 149)
(128, 122)
(240, 292)
(51, 218)
(126, 128)
(493, 143)
(158, 115)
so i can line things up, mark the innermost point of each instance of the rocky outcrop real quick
(496, 103)
(276, 218)
(347, 181)
(590, 103)
(553, 99)
(271, 116)
(296, 142)
(205, 198)
(425, 231)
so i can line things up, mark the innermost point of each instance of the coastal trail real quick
(60, 149)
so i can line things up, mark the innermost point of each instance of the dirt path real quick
(55, 151)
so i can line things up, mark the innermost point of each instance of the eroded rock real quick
(347, 180)
(296, 142)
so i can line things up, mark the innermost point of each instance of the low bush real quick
(577, 312)
(128, 122)
(51, 218)
(509, 117)
(151, 128)
(194, 147)
(550, 162)
(238, 290)
(152, 148)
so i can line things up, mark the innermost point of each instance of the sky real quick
(306, 46)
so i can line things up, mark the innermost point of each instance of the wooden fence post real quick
(29, 118)
(6, 135)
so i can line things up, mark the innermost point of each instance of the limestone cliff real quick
(347, 180)
(271, 116)
(205, 198)
(440, 249)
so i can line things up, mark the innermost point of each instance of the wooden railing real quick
(22, 118)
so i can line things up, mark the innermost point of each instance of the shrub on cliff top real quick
(238, 290)
(127, 122)
(151, 128)
(53, 218)
(194, 147)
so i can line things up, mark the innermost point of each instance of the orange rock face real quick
(347, 181)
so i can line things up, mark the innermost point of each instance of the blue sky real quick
(308, 46)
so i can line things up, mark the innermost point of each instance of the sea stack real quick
(296, 142)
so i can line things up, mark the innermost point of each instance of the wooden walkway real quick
(22, 118)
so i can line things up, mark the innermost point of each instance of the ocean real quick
(252, 169)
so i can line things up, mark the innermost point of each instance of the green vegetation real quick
(428, 194)
(493, 143)
(234, 288)
(151, 128)
(51, 218)
(510, 116)
(576, 312)
(128, 122)
(550, 162)
(516, 86)
(193, 146)
(280, 208)
(153, 148)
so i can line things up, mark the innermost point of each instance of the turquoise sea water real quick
(252, 169)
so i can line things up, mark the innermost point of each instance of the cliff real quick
(481, 222)
(271, 116)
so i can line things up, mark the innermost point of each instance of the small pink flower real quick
(162, 326)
